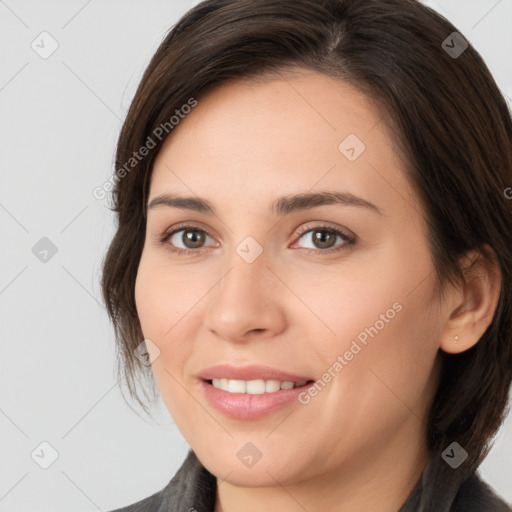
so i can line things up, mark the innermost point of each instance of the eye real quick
(324, 239)
(192, 239)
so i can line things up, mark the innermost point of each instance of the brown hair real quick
(452, 124)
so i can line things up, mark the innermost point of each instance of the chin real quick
(242, 464)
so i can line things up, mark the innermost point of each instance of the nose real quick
(246, 302)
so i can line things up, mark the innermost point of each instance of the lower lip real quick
(248, 407)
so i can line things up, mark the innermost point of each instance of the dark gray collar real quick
(193, 488)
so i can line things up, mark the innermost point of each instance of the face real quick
(332, 292)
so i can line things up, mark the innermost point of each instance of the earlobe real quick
(471, 317)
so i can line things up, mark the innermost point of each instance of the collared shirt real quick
(193, 489)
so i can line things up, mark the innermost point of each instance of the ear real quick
(474, 303)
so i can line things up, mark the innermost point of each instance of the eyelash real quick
(348, 240)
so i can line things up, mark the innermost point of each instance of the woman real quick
(366, 369)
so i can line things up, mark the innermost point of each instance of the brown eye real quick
(193, 239)
(323, 239)
(186, 239)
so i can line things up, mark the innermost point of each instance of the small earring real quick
(456, 339)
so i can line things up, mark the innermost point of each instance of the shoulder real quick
(150, 504)
(475, 495)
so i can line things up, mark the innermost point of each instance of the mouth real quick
(255, 387)
(251, 399)
(253, 391)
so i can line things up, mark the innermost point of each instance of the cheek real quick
(163, 297)
(386, 337)
(391, 381)
(167, 305)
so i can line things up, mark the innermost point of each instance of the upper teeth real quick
(254, 387)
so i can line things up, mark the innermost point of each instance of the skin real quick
(360, 443)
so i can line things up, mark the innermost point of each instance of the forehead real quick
(286, 135)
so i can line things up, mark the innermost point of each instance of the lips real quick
(250, 404)
(252, 372)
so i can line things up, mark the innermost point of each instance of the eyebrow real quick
(281, 206)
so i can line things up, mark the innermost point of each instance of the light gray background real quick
(59, 121)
